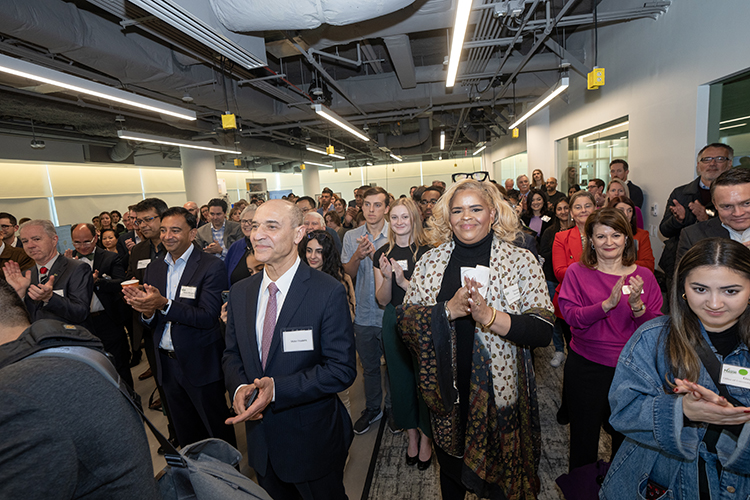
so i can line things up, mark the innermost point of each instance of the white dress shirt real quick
(174, 275)
(284, 283)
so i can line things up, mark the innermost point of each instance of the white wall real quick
(654, 72)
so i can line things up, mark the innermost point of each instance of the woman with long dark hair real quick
(318, 251)
(537, 216)
(684, 422)
(561, 222)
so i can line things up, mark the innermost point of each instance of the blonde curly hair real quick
(505, 224)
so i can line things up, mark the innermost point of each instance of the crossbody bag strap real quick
(101, 364)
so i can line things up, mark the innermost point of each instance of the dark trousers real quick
(328, 487)
(585, 389)
(151, 358)
(115, 342)
(198, 412)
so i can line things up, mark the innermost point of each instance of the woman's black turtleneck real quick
(725, 342)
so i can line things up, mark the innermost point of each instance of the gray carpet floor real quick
(394, 480)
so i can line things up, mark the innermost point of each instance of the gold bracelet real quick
(494, 315)
(643, 306)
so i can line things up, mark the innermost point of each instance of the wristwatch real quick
(447, 312)
(643, 306)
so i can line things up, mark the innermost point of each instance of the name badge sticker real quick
(404, 264)
(512, 293)
(738, 376)
(187, 292)
(297, 340)
(143, 263)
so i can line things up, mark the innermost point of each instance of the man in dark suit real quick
(619, 169)
(107, 307)
(181, 302)
(730, 193)
(289, 335)
(56, 287)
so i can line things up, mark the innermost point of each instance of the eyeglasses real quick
(477, 176)
(5, 226)
(709, 159)
(138, 222)
(83, 243)
(245, 222)
(424, 203)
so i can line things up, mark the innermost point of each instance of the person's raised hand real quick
(15, 278)
(255, 410)
(635, 283)
(385, 267)
(698, 210)
(614, 296)
(42, 292)
(678, 211)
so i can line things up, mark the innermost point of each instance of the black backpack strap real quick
(99, 362)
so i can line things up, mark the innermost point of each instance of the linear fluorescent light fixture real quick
(175, 15)
(479, 150)
(396, 157)
(734, 120)
(338, 121)
(31, 71)
(733, 126)
(318, 164)
(168, 141)
(605, 129)
(320, 151)
(463, 9)
(553, 92)
(442, 140)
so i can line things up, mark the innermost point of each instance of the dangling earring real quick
(684, 297)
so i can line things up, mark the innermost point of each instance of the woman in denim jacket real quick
(663, 399)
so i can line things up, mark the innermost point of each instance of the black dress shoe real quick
(411, 461)
(424, 465)
(136, 359)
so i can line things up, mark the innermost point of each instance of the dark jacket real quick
(670, 227)
(691, 235)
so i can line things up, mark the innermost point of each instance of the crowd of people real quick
(264, 304)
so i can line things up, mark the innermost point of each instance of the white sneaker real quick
(557, 359)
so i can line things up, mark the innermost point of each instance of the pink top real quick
(596, 335)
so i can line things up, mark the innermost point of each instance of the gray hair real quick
(45, 224)
(320, 218)
(248, 209)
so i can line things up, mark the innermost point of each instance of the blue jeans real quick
(369, 342)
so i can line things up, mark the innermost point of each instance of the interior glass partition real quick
(733, 116)
(587, 154)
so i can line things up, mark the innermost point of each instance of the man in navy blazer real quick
(56, 287)
(299, 358)
(180, 302)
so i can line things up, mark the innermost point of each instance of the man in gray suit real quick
(218, 236)
(56, 287)
(730, 194)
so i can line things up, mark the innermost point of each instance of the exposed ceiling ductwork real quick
(376, 63)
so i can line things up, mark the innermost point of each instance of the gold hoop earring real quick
(684, 297)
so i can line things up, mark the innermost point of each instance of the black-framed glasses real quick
(709, 159)
(477, 176)
(244, 222)
(5, 226)
(138, 222)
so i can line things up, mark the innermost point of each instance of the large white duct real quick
(262, 15)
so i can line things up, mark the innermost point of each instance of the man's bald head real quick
(191, 207)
